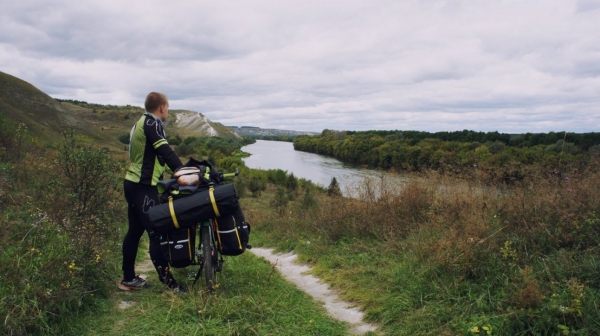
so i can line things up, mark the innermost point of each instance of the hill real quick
(251, 131)
(48, 117)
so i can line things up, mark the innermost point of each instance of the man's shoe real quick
(136, 283)
(179, 289)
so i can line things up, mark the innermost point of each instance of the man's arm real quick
(156, 136)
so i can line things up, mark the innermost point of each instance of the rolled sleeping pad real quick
(186, 211)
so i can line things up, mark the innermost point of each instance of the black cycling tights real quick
(140, 198)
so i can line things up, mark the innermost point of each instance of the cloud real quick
(511, 66)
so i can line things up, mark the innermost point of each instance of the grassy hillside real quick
(48, 118)
(437, 256)
(60, 259)
(23, 103)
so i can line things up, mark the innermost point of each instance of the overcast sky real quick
(509, 66)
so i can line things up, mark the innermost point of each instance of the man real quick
(148, 153)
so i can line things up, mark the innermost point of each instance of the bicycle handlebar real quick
(229, 175)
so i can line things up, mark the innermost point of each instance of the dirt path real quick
(312, 285)
(143, 268)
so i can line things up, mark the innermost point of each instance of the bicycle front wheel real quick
(209, 255)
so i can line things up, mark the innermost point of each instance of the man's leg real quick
(160, 263)
(134, 232)
(146, 198)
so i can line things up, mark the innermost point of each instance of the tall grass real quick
(442, 256)
(58, 248)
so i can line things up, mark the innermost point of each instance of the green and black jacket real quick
(149, 151)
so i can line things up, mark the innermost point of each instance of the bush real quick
(59, 249)
(518, 257)
(13, 140)
(277, 176)
(124, 138)
(280, 201)
(291, 183)
(256, 185)
(334, 188)
(183, 150)
(90, 177)
(308, 200)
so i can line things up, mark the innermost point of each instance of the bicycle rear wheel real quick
(209, 257)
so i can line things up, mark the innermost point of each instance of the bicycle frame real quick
(207, 252)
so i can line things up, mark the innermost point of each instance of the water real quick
(316, 168)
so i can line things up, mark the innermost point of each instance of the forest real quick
(453, 152)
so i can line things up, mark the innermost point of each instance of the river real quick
(316, 168)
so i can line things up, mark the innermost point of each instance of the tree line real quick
(449, 151)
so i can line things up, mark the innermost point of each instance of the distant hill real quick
(47, 117)
(251, 131)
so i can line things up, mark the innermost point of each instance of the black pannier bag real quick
(181, 213)
(178, 247)
(233, 233)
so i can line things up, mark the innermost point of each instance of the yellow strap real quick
(173, 213)
(218, 235)
(238, 237)
(190, 243)
(237, 233)
(212, 200)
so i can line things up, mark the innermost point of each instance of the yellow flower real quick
(475, 329)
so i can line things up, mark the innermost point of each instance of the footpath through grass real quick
(252, 299)
(445, 257)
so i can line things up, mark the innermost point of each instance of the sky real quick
(508, 66)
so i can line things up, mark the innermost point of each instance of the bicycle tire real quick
(209, 258)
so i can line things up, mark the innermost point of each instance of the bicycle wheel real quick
(209, 257)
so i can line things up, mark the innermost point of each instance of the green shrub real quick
(124, 138)
(59, 243)
(291, 182)
(277, 176)
(256, 185)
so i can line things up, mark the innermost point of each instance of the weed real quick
(497, 259)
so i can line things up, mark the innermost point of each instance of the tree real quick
(124, 138)
(256, 185)
(175, 141)
(291, 182)
(184, 150)
(308, 201)
(280, 201)
(334, 188)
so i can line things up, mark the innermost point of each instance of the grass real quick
(252, 299)
(47, 117)
(463, 259)
(61, 257)
(419, 259)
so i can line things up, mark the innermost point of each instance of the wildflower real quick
(475, 329)
(72, 265)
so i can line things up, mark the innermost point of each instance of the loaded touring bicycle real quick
(195, 203)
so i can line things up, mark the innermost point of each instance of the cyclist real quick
(148, 154)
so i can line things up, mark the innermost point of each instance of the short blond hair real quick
(154, 100)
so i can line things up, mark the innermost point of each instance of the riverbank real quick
(452, 261)
(316, 168)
